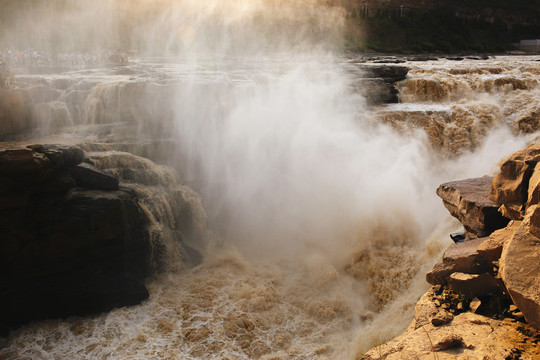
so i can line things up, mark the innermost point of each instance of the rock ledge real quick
(80, 231)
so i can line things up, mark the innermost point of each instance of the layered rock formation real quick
(80, 230)
(485, 302)
(517, 187)
(467, 200)
(376, 83)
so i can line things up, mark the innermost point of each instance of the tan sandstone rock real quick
(520, 267)
(534, 220)
(467, 268)
(473, 285)
(425, 310)
(533, 193)
(512, 211)
(492, 246)
(512, 183)
(468, 201)
(462, 257)
(443, 317)
(468, 336)
(509, 185)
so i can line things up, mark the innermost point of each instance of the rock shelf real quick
(485, 302)
(79, 229)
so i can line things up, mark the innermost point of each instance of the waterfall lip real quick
(444, 65)
(252, 101)
(417, 107)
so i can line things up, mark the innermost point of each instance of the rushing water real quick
(323, 210)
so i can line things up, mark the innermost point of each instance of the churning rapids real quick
(322, 210)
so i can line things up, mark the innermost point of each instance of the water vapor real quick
(167, 27)
(325, 217)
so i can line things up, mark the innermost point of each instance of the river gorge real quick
(310, 171)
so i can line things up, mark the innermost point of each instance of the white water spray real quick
(328, 218)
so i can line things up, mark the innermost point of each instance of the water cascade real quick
(322, 207)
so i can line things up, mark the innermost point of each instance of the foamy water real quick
(322, 209)
(228, 308)
(327, 219)
(458, 103)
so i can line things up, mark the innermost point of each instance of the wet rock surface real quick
(377, 83)
(389, 73)
(89, 176)
(78, 239)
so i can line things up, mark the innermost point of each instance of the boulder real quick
(89, 176)
(511, 185)
(75, 246)
(443, 317)
(533, 193)
(475, 305)
(425, 310)
(61, 156)
(473, 285)
(520, 266)
(467, 200)
(15, 161)
(462, 257)
(534, 220)
(512, 211)
(67, 250)
(29, 160)
(492, 246)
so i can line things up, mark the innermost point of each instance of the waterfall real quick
(322, 207)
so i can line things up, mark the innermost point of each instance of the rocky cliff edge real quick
(485, 299)
(82, 227)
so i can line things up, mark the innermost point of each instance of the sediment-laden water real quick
(322, 208)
